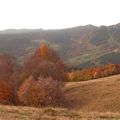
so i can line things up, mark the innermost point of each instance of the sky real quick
(57, 14)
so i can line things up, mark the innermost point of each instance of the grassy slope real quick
(94, 100)
(29, 113)
(99, 95)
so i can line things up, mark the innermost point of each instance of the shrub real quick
(41, 92)
(6, 93)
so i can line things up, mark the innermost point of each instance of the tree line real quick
(93, 73)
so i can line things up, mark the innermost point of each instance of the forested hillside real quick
(84, 45)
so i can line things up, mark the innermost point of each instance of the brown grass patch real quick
(30, 113)
(97, 95)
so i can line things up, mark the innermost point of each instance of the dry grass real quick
(29, 113)
(101, 95)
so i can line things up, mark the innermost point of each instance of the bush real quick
(41, 92)
(6, 93)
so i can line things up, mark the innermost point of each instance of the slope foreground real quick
(101, 95)
(90, 100)
(29, 113)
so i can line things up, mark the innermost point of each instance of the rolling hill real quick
(83, 45)
(99, 95)
(89, 100)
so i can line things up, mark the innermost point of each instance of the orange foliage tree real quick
(45, 86)
(7, 66)
(44, 62)
(7, 70)
(93, 73)
(6, 93)
(40, 92)
(44, 51)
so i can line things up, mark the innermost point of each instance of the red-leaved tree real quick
(44, 62)
(41, 92)
(6, 93)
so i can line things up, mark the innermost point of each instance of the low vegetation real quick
(41, 92)
(94, 73)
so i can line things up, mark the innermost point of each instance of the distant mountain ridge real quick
(83, 45)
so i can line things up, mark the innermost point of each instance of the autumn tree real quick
(41, 92)
(111, 69)
(44, 51)
(6, 93)
(9, 75)
(44, 62)
(45, 86)
(93, 73)
(7, 66)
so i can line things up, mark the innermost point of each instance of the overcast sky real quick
(56, 14)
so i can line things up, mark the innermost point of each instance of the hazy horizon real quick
(57, 14)
(54, 28)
